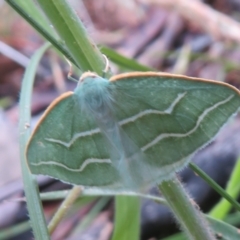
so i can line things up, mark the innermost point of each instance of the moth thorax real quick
(95, 95)
(98, 101)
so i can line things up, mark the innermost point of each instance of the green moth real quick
(129, 132)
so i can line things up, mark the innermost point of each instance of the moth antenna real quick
(107, 67)
(70, 72)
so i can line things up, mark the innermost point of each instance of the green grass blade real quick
(220, 229)
(124, 62)
(73, 33)
(233, 219)
(14, 230)
(127, 218)
(214, 185)
(177, 236)
(32, 10)
(233, 188)
(30, 186)
(223, 230)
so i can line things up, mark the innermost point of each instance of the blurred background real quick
(194, 38)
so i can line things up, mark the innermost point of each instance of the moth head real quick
(87, 75)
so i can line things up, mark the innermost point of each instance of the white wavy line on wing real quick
(74, 138)
(151, 111)
(200, 119)
(121, 123)
(80, 169)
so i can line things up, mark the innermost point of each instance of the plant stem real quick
(186, 211)
(68, 201)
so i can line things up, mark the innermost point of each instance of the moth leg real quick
(70, 72)
(107, 66)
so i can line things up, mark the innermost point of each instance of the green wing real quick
(169, 117)
(68, 145)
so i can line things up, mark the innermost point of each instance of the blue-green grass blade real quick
(34, 205)
(91, 193)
